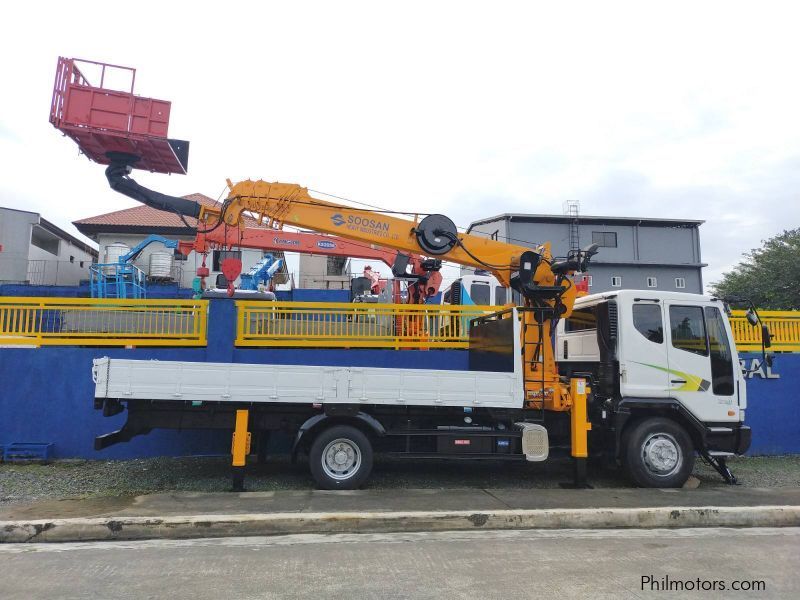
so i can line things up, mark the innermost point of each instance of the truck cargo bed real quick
(302, 384)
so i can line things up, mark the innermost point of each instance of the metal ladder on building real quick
(572, 209)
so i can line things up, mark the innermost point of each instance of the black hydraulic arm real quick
(118, 175)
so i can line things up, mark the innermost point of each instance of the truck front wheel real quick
(658, 453)
(340, 458)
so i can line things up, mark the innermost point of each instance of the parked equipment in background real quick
(118, 277)
(260, 274)
(422, 275)
(480, 288)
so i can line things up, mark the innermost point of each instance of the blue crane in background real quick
(261, 272)
(123, 279)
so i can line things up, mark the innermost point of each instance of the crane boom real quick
(284, 203)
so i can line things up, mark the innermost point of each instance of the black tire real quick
(347, 445)
(658, 453)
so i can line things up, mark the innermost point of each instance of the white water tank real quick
(112, 254)
(160, 265)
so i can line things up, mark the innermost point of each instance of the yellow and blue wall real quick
(46, 393)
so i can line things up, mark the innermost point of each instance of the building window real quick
(72, 259)
(680, 283)
(179, 256)
(44, 240)
(81, 264)
(616, 281)
(604, 239)
(652, 282)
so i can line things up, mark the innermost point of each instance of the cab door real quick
(643, 365)
(701, 374)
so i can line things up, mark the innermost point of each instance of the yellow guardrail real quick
(114, 322)
(102, 322)
(354, 325)
(784, 329)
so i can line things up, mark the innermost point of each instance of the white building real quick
(35, 251)
(131, 226)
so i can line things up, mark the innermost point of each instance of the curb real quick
(205, 526)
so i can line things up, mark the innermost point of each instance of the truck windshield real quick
(480, 293)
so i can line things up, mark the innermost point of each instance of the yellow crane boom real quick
(277, 204)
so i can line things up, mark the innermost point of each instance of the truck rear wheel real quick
(658, 453)
(340, 458)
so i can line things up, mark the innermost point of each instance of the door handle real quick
(677, 381)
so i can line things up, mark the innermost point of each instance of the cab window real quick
(581, 320)
(688, 329)
(720, 350)
(647, 321)
(499, 295)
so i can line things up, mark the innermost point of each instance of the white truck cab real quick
(666, 359)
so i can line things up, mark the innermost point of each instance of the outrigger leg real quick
(721, 467)
(579, 428)
(240, 448)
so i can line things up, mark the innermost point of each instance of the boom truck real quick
(625, 387)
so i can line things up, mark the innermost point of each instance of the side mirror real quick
(751, 317)
(766, 336)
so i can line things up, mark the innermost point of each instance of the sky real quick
(680, 109)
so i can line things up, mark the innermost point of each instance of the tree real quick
(769, 276)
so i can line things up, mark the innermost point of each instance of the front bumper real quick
(735, 440)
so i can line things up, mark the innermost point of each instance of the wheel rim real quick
(662, 454)
(341, 459)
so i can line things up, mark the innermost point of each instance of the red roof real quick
(145, 217)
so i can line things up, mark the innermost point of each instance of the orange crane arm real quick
(287, 241)
(423, 273)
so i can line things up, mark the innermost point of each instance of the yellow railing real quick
(102, 322)
(784, 329)
(112, 322)
(344, 325)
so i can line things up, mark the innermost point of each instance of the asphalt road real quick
(481, 564)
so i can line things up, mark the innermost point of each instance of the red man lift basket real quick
(103, 120)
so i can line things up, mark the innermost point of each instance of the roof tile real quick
(147, 216)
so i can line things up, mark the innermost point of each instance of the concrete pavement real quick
(471, 564)
(191, 515)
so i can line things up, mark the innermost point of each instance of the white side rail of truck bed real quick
(228, 382)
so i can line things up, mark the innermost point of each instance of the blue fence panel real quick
(773, 404)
